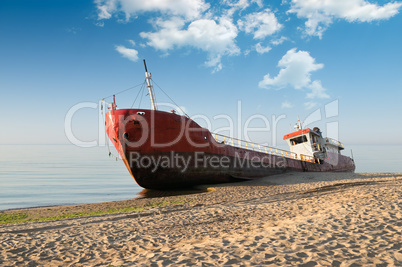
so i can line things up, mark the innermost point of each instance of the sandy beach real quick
(293, 219)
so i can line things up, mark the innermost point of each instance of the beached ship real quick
(163, 150)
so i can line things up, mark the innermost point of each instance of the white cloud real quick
(192, 24)
(260, 24)
(105, 8)
(320, 14)
(279, 41)
(186, 8)
(287, 104)
(261, 49)
(217, 39)
(296, 68)
(243, 4)
(258, 2)
(236, 5)
(100, 24)
(129, 53)
(317, 91)
(310, 105)
(73, 30)
(131, 42)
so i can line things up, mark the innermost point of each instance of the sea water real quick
(376, 158)
(48, 175)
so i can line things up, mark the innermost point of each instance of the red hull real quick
(164, 150)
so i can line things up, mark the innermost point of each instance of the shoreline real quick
(199, 189)
(154, 193)
(292, 218)
(304, 181)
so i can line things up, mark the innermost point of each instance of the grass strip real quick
(12, 217)
(23, 217)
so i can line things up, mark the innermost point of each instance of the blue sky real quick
(288, 58)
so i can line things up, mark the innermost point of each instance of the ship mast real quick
(150, 87)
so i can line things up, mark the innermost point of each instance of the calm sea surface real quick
(47, 175)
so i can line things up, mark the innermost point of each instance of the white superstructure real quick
(311, 143)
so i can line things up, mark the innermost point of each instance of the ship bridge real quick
(310, 142)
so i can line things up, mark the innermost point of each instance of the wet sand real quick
(301, 219)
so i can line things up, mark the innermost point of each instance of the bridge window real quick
(298, 140)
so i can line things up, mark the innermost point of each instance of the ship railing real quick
(222, 139)
(333, 142)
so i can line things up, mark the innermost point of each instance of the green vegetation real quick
(12, 217)
(21, 217)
